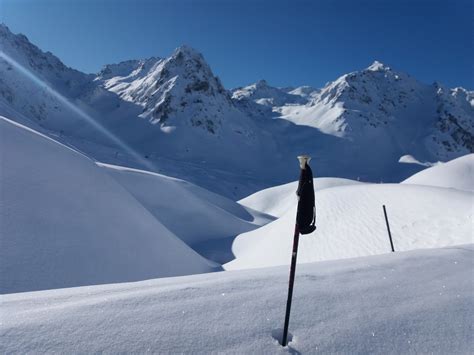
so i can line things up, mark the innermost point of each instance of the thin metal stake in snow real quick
(388, 228)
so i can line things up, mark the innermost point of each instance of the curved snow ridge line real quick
(200, 194)
(277, 200)
(26, 128)
(193, 214)
(125, 168)
(455, 174)
(153, 215)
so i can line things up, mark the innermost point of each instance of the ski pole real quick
(296, 238)
(305, 209)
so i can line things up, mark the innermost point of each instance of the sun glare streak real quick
(85, 116)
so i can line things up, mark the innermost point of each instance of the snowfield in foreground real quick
(403, 303)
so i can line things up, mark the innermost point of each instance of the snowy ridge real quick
(28, 96)
(379, 101)
(176, 91)
(264, 94)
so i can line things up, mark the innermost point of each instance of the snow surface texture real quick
(418, 302)
(350, 223)
(457, 174)
(68, 222)
(180, 121)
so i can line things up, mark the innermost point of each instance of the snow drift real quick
(277, 200)
(350, 223)
(457, 174)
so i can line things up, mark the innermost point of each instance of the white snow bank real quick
(457, 173)
(277, 200)
(409, 159)
(350, 223)
(418, 302)
(65, 222)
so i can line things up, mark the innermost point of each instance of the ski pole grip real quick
(303, 159)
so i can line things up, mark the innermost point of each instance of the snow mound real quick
(277, 200)
(66, 222)
(417, 302)
(409, 159)
(457, 174)
(350, 223)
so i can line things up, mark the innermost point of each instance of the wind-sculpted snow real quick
(350, 223)
(276, 201)
(457, 174)
(190, 212)
(404, 303)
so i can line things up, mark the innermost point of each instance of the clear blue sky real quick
(286, 42)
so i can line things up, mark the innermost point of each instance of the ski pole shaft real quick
(290, 286)
(388, 228)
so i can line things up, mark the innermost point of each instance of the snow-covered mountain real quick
(378, 102)
(35, 87)
(267, 95)
(177, 91)
(173, 115)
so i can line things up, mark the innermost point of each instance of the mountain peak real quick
(5, 32)
(378, 66)
(4, 28)
(187, 51)
(261, 84)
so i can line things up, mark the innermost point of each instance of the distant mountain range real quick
(173, 115)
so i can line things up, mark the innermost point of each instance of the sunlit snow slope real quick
(456, 174)
(350, 223)
(279, 199)
(418, 302)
